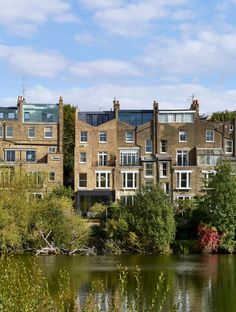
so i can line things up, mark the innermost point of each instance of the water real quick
(197, 283)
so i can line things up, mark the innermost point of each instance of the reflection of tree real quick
(197, 283)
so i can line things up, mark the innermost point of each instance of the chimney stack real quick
(195, 106)
(116, 107)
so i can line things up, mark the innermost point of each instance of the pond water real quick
(197, 282)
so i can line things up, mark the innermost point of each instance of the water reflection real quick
(197, 283)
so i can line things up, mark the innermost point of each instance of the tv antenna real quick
(23, 88)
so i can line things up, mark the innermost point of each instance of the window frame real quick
(28, 160)
(1, 131)
(54, 176)
(213, 135)
(99, 179)
(103, 133)
(232, 147)
(127, 139)
(148, 146)
(53, 148)
(163, 145)
(31, 137)
(103, 159)
(84, 180)
(45, 131)
(82, 160)
(82, 137)
(129, 157)
(146, 173)
(10, 150)
(179, 179)
(163, 169)
(125, 181)
(182, 154)
(9, 136)
(182, 133)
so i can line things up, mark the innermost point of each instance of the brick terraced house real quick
(118, 151)
(31, 137)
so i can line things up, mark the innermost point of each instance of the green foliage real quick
(60, 191)
(26, 220)
(69, 141)
(148, 226)
(220, 201)
(121, 300)
(224, 115)
(25, 288)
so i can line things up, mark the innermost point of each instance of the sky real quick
(92, 51)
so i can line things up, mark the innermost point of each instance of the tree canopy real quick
(220, 200)
(148, 225)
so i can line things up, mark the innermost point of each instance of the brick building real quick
(118, 151)
(31, 137)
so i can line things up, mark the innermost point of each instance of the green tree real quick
(25, 220)
(224, 115)
(69, 143)
(220, 201)
(149, 225)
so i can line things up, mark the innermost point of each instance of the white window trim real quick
(30, 150)
(183, 171)
(161, 146)
(83, 187)
(188, 197)
(210, 141)
(102, 154)
(47, 137)
(99, 173)
(5, 154)
(83, 142)
(11, 136)
(83, 162)
(160, 168)
(184, 152)
(145, 169)
(1, 136)
(182, 132)
(232, 147)
(130, 151)
(128, 141)
(146, 146)
(129, 188)
(32, 137)
(102, 132)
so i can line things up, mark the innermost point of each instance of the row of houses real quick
(117, 151)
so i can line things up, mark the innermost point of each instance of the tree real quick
(26, 220)
(149, 224)
(69, 143)
(224, 116)
(220, 201)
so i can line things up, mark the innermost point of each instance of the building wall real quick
(20, 142)
(156, 166)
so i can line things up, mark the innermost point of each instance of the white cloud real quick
(133, 97)
(101, 4)
(104, 69)
(86, 39)
(26, 60)
(204, 54)
(24, 17)
(134, 18)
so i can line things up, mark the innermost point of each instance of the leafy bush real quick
(209, 238)
(148, 226)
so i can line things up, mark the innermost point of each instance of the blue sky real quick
(90, 51)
